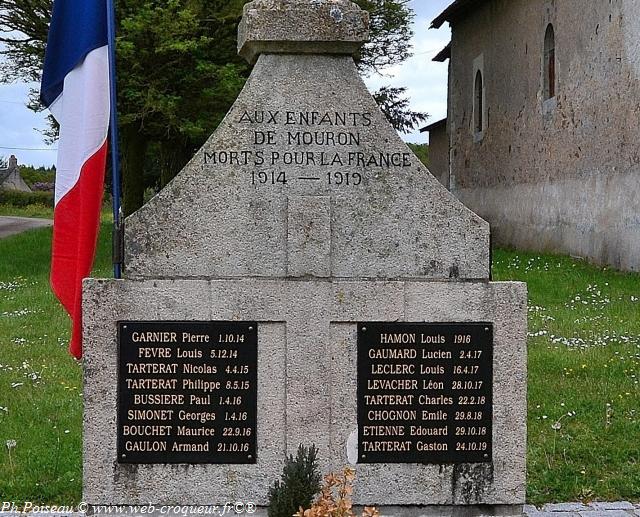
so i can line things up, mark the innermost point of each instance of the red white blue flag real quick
(75, 88)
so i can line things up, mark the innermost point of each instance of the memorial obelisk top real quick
(305, 177)
(302, 27)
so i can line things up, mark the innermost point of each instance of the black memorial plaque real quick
(425, 392)
(187, 392)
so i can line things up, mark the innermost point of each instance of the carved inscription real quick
(425, 392)
(284, 143)
(187, 392)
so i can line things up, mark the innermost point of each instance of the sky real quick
(425, 80)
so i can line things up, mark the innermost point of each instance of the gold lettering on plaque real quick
(154, 337)
(147, 352)
(193, 353)
(432, 385)
(428, 431)
(190, 447)
(387, 446)
(395, 384)
(436, 354)
(187, 337)
(202, 369)
(401, 338)
(150, 414)
(199, 384)
(383, 430)
(157, 400)
(202, 417)
(434, 415)
(440, 400)
(198, 431)
(393, 353)
(393, 369)
(151, 384)
(198, 400)
(432, 446)
(432, 370)
(392, 414)
(146, 430)
(393, 400)
(145, 446)
(152, 368)
(434, 340)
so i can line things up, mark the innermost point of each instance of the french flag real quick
(75, 88)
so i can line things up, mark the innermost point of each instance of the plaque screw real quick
(124, 326)
(124, 455)
(486, 455)
(249, 456)
(486, 329)
(364, 329)
(250, 328)
(364, 456)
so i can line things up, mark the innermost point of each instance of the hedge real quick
(22, 199)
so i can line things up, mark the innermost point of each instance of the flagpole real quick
(115, 147)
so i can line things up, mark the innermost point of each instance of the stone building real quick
(543, 123)
(10, 178)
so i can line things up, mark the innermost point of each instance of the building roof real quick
(457, 10)
(434, 126)
(12, 164)
(11, 176)
(4, 174)
(444, 54)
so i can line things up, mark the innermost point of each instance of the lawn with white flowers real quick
(40, 384)
(584, 369)
(584, 374)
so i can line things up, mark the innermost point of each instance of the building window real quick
(549, 63)
(478, 104)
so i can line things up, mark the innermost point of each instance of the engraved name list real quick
(425, 392)
(187, 392)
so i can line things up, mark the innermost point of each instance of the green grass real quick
(584, 366)
(584, 369)
(41, 211)
(40, 384)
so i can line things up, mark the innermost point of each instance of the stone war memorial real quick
(306, 280)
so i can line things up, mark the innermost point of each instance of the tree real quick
(183, 73)
(24, 25)
(32, 175)
(421, 151)
(396, 108)
(389, 36)
(390, 44)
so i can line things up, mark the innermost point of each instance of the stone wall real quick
(439, 152)
(559, 174)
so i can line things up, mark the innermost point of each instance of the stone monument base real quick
(307, 382)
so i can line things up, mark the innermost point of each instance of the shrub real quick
(22, 199)
(299, 484)
(40, 186)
